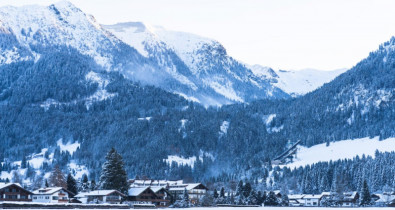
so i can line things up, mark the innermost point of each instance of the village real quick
(115, 191)
(146, 193)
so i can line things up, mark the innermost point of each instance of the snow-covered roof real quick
(277, 192)
(177, 188)
(149, 182)
(97, 193)
(385, 198)
(350, 195)
(135, 191)
(3, 184)
(156, 189)
(47, 191)
(192, 186)
(185, 186)
(312, 196)
(296, 196)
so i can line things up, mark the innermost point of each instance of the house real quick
(14, 192)
(195, 191)
(101, 196)
(384, 199)
(296, 200)
(52, 195)
(312, 200)
(142, 195)
(350, 199)
(163, 195)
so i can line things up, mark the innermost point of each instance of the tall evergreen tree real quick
(71, 184)
(366, 199)
(23, 164)
(239, 189)
(113, 174)
(215, 193)
(93, 185)
(247, 189)
(222, 193)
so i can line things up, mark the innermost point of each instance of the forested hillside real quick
(57, 98)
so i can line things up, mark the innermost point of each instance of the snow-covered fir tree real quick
(113, 174)
(366, 198)
(71, 184)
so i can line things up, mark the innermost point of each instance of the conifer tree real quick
(185, 196)
(113, 174)
(93, 185)
(222, 193)
(71, 184)
(271, 199)
(247, 189)
(215, 193)
(366, 199)
(23, 164)
(239, 189)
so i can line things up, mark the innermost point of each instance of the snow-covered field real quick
(346, 149)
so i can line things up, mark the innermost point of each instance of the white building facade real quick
(51, 195)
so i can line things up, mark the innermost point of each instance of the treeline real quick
(337, 177)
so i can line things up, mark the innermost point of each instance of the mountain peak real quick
(64, 4)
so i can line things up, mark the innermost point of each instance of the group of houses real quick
(153, 192)
(347, 199)
(162, 192)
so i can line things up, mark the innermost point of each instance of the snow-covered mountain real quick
(194, 67)
(296, 82)
(200, 63)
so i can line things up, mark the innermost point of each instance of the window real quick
(11, 197)
(23, 197)
(47, 197)
(55, 198)
(35, 197)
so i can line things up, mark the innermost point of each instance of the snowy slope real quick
(346, 149)
(293, 82)
(199, 63)
(304, 81)
(194, 67)
(57, 24)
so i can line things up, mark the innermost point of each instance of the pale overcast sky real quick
(283, 34)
